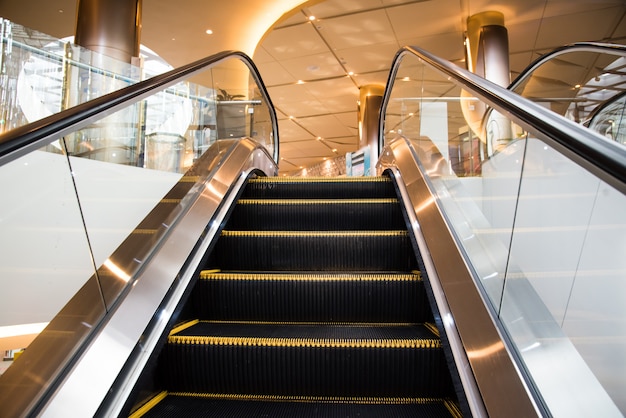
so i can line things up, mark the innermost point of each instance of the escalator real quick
(417, 293)
(310, 304)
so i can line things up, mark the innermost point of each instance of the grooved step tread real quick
(313, 179)
(312, 276)
(365, 201)
(316, 234)
(329, 335)
(253, 406)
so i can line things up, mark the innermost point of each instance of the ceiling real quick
(313, 68)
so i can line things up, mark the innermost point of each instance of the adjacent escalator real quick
(310, 304)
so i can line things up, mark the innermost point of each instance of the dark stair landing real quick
(310, 305)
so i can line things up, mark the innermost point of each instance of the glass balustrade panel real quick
(44, 252)
(544, 237)
(72, 205)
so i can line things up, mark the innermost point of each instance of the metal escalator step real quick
(314, 250)
(209, 405)
(312, 296)
(306, 359)
(317, 214)
(320, 187)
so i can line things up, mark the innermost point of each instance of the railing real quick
(578, 81)
(71, 224)
(539, 230)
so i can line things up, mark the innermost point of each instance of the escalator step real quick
(388, 360)
(219, 406)
(314, 296)
(317, 214)
(314, 250)
(319, 188)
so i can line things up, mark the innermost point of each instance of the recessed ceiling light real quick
(311, 18)
(209, 32)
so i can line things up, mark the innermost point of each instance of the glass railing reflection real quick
(540, 233)
(70, 205)
(583, 82)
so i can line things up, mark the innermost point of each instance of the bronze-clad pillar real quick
(110, 27)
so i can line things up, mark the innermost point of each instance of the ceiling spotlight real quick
(209, 32)
(311, 18)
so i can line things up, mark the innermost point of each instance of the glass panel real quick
(579, 83)
(79, 206)
(544, 237)
(43, 75)
(565, 288)
(450, 136)
(44, 253)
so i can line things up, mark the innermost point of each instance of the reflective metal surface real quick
(482, 359)
(156, 291)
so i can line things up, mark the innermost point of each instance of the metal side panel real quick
(491, 379)
(155, 293)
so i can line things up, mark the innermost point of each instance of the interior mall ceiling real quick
(349, 44)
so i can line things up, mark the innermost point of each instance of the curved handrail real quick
(606, 159)
(23, 139)
(598, 47)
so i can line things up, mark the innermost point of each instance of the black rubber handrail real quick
(597, 47)
(605, 159)
(24, 139)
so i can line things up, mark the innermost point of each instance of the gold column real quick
(487, 47)
(371, 97)
(110, 27)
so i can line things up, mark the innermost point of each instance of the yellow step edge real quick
(184, 326)
(228, 233)
(317, 201)
(330, 277)
(453, 408)
(311, 399)
(337, 324)
(432, 328)
(149, 405)
(418, 343)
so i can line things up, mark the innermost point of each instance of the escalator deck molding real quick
(306, 342)
(310, 277)
(321, 234)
